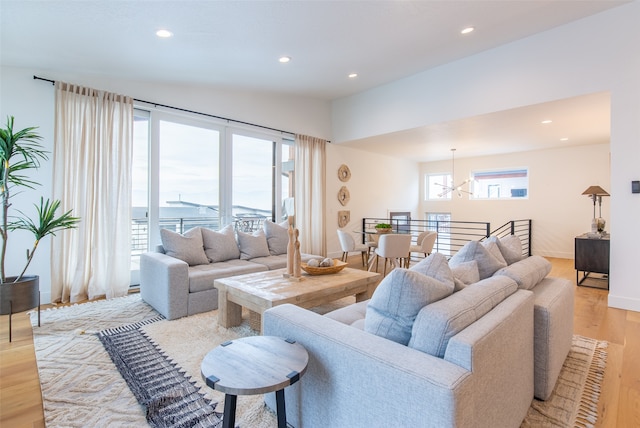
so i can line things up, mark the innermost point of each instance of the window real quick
(501, 184)
(189, 171)
(434, 186)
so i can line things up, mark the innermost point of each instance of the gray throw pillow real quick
(398, 299)
(277, 237)
(436, 266)
(221, 245)
(253, 245)
(474, 250)
(491, 244)
(188, 247)
(511, 248)
(465, 274)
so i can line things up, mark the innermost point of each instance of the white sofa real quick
(177, 279)
(514, 329)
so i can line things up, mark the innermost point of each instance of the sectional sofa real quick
(177, 279)
(463, 343)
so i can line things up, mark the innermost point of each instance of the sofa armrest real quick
(498, 348)
(355, 378)
(164, 284)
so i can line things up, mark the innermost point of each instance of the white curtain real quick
(92, 176)
(310, 179)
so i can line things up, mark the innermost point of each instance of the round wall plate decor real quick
(343, 195)
(344, 174)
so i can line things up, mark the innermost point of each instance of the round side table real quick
(254, 365)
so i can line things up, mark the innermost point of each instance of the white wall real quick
(555, 203)
(31, 102)
(378, 184)
(598, 53)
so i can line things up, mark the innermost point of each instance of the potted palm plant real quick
(20, 152)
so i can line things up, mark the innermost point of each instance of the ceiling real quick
(236, 44)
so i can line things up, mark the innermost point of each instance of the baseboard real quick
(621, 302)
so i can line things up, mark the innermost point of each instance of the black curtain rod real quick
(53, 82)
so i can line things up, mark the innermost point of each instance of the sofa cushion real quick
(397, 300)
(277, 237)
(527, 273)
(510, 247)
(252, 245)
(474, 250)
(221, 245)
(352, 315)
(438, 322)
(437, 267)
(188, 247)
(280, 261)
(201, 277)
(464, 274)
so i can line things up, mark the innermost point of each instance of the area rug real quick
(82, 387)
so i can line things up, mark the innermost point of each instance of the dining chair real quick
(424, 244)
(348, 244)
(394, 248)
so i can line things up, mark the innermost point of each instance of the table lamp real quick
(596, 193)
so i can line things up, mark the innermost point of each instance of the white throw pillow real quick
(188, 247)
(277, 237)
(252, 245)
(397, 301)
(221, 245)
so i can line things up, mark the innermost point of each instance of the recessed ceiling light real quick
(353, 75)
(164, 33)
(546, 121)
(284, 59)
(467, 30)
(564, 139)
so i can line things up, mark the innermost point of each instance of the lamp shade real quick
(595, 190)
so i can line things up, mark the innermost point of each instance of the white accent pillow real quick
(277, 237)
(188, 247)
(398, 299)
(253, 245)
(221, 245)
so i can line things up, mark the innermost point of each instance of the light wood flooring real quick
(619, 406)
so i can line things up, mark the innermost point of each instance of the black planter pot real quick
(19, 296)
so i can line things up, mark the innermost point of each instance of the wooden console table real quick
(591, 256)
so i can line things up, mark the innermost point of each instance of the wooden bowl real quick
(338, 265)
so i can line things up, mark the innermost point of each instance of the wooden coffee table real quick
(263, 290)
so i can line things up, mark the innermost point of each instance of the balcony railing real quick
(453, 235)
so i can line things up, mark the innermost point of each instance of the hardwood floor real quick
(619, 406)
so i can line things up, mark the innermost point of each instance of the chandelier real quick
(458, 189)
